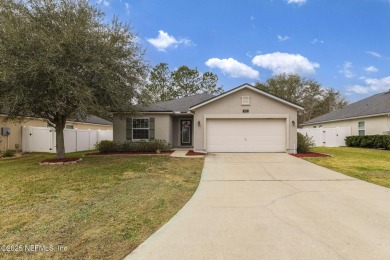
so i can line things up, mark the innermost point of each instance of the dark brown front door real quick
(185, 132)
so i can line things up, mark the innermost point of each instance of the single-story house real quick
(244, 119)
(14, 139)
(369, 116)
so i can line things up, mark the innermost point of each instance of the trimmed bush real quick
(8, 153)
(106, 146)
(305, 143)
(369, 141)
(131, 146)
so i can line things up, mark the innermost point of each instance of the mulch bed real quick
(60, 161)
(192, 153)
(310, 155)
(128, 153)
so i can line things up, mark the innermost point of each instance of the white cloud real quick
(358, 89)
(104, 2)
(346, 70)
(298, 2)
(164, 41)
(280, 62)
(372, 86)
(371, 69)
(378, 85)
(375, 54)
(315, 40)
(127, 8)
(233, 68)
(283, 38)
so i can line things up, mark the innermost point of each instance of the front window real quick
(140, 128)
(68, 126)
(361, 128)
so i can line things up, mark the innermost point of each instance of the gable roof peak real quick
(251, 87)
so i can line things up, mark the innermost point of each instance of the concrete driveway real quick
(275, 206)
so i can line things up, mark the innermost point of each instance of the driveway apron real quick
(275, 206)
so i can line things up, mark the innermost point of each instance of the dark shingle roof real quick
(253, 88)
(180, 104)
(373, 105)
(91, 119)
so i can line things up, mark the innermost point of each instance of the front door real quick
(185, 132)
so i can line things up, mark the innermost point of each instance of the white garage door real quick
(246, 135)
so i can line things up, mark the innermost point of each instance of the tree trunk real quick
(60, 144)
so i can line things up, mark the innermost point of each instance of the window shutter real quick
(151, 128)
(129, 129)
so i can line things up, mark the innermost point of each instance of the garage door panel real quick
(246, 135)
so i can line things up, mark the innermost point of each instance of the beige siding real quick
(230, 107)
(373, 125)
(163, 123)
(119, 132)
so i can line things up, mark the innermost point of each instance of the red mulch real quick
(130, 153)
(61, 160)
(192, 153)
(301, 155)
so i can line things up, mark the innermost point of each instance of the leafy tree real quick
(160, 86)
(308, 93)
(59, 60)
(166, 85)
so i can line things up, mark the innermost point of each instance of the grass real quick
(101, 208)
(369, 165)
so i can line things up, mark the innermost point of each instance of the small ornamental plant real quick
(305, 143)
(8, 153)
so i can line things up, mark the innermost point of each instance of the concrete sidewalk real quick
(275, 206)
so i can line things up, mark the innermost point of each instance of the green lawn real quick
(365, 164)
(101, 208)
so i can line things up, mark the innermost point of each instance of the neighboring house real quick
(370, 116)
(244, 119)
(14, 139)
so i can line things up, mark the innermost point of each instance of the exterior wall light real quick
(293, 123)
(198, 123)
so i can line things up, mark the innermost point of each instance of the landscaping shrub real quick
(305, 143)
(132, 146)
(106, 146)
(369, 141)
(8, 153)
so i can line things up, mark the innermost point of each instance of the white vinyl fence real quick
(329, 137)
(43, 139)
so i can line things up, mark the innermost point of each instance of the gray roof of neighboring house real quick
(181, 104)
(91, 119)
(373, 105)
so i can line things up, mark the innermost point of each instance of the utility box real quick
(5, 131)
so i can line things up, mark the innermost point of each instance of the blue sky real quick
(343, 44)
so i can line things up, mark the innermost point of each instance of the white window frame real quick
(362, 128)
(245, 100)
(132, 128)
